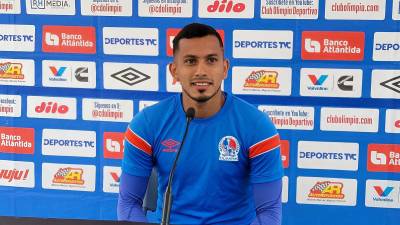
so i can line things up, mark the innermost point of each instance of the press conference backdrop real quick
(74, 73)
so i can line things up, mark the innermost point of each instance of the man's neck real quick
(205, 109)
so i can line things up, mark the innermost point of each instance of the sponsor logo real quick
(263, 44)
(130, 41)
(17, 72)
(106, 8)
(172, 32)
(326, 191)
(386, 46)
(69, 143)
(327, 155)
(51, 107)
(69, 39)
(349, 119)
(392, 123)
(111, 110)
(50, 7)
(228, 148)
(355, 10)
(170, 145)
(385, 84)
(318, 45)
(17, 140)
(290, 117)
(17, 174)
(382, 193)
(396, 10)
(10, 7)
(178, 8)
(10, 105)
(68, 177)
(71, 74)
(285, 151)
(113, 144)
(131, 77)
(111, 178)
(144, 104)
(289, 9)
(327, 82)
(226, 9)
(383, 158)
(261, 80)
(17, 38)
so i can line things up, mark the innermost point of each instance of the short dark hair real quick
(195, 30)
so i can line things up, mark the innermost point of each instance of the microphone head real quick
(190, 112)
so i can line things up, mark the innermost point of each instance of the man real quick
(229, 170)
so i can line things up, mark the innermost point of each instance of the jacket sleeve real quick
(268, 203)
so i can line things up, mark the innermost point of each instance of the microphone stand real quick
(166, 212)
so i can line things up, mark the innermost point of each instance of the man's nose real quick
(201, 69)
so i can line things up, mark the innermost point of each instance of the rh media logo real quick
(69, 39)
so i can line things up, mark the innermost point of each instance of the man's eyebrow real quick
(196, 56)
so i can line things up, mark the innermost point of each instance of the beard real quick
(201, 99)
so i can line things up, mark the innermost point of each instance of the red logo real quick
(17, 140)
(171, 145)
(397, 123)
(172, 32)
(318, 45)
(14, 174)
(113, 145)
(115, 177)
(226, 6)
(383, 158)
(285, 150)
(51, 107)
(69, 39)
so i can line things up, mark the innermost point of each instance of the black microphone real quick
(166, 212)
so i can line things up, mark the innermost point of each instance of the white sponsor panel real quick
(106, 8)
(290, 117)
(224, 9)
(326, 191)
(51, 107)
(382, 193)
(111, 175)
(51, 7)
(355, 9)
(285, 189)
(385, 84)
(263, 44)
(17, 174)
(144, 104)
(175, 86)
(78, 143)
(17, 38)
(349, 119)
(69, 74)
(289, 9)
(130, 76)
(262, 80)
(179, 8)
(327, 155)
(392, 122)
(396, 10)
(130, 41)
(10, 105)
(70, 177)
(10, 7)
(386, 46)
(328, 82)
(112, 110)
(18, 72)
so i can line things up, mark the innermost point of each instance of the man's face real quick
(200, 67)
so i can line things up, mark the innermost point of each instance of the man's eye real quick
(190, 61)
(212, 60)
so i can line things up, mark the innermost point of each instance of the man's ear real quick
(172, 70)
(226, 68)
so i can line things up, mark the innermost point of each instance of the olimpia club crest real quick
(228, 149)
